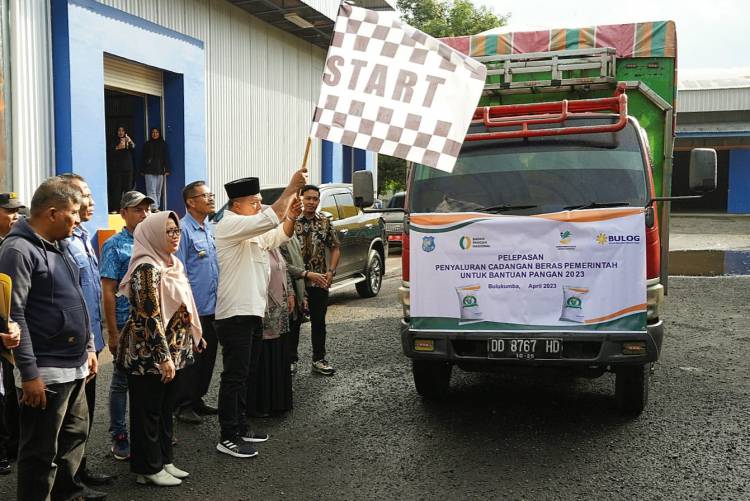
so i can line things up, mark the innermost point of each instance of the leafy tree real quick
(391, 174)
(439, 18)
(449, 18)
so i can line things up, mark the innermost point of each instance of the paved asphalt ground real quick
(365, 434)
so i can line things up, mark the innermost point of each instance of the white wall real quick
(261, 86)
(31, 94)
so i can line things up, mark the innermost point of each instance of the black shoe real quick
(4, 467)
(90, 478)
(89, 493)
(188, 415)
(236, 448)
(203, 409)
(259, 415)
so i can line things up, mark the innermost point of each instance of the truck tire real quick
(631, 388)
(373, 276)
(431, 379)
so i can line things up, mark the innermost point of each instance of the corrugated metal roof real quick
(320, 14)
(718, 78)
(706, 100)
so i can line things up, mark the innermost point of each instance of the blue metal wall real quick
(738, 201)
(82, 31)
(340, 161)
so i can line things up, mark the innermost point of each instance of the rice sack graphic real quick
(573, 301)
(468, 300)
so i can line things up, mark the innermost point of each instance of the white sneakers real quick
(169, 476)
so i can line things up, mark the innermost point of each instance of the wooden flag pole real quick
(307, 152)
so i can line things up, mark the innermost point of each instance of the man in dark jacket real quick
(56, 353)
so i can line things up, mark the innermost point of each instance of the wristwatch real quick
(333, 272)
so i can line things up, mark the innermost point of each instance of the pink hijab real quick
(150, 240)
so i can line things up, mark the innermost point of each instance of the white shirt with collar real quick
(242, 245)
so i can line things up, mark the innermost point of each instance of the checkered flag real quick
(392, 89)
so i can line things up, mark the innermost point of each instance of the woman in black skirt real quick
(270, 387)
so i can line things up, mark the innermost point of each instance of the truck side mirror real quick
(702, 170)
(363, 188)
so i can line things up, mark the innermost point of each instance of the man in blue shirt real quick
(80, 249)
(116, 252)
(198, 253)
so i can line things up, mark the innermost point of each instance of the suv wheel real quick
(373, 276)
(431, 379)
(631, 388)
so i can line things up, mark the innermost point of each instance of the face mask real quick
(468, 301)
(573, 301)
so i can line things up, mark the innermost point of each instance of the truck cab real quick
(558, 131)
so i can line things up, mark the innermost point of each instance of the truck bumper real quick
(580, 349)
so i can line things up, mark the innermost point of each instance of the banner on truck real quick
(567, 271)
(391, 89)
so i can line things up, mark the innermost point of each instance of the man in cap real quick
(56, 350)
(243, 237)
(9, 207)
(115, 258)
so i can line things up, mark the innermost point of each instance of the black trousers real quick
(52, 444)
(197, 378)
(120, 181)
(90, 389)
(237, 336)
(151, 406)
(9, 426)
(295, 322)
(317, 300)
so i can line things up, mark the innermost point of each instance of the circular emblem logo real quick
(574, 302)
(470, 301)
(465, 243)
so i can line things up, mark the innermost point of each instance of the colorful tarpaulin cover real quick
(650, 39)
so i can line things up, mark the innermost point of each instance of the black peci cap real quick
(243, 187)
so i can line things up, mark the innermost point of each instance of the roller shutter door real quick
(127, 75)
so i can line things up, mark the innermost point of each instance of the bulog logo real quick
(603, 239)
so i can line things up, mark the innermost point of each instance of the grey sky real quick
(709, 34)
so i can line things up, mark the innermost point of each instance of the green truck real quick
(557, 107)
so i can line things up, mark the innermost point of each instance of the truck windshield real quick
(537, 175)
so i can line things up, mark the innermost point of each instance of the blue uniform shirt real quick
(114, 264)
(82, 253)
(198, 253)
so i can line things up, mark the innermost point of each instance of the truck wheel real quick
(373, 276)
(631, 388)
(431, 379)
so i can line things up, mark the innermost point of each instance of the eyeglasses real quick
(174, 232)
(207, 196)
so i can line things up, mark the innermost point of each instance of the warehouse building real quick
(713, 111)
(231, 83)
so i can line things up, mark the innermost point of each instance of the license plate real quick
(525, 349)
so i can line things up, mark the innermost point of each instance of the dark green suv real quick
(364, 244)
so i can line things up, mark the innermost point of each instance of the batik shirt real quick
(146, 339)
(315, 236)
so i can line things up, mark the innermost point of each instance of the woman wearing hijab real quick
(155, 166)
(157, 341)
(121, 167)
(269, 388)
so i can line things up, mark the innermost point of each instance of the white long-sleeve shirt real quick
(242, 245)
